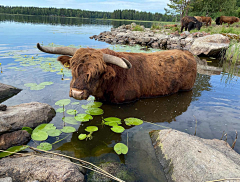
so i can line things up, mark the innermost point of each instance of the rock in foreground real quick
(45, 167)
(189, 158)
(28, 114)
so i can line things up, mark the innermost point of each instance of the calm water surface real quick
(214, 100)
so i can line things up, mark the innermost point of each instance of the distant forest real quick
(117, 14)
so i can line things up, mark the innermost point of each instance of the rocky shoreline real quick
(198, 43)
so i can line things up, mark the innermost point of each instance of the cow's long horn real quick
(57, 50)
(121, 62)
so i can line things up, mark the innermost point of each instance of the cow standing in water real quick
(119, 77)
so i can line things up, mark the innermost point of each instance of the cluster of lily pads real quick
(34, 86)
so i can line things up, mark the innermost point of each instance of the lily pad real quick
(39, 136)
(133, 121)
(112, 121)
(45, 146)
(94, 111)
(14, 149)
(75, 103)
(63, 102)
(71, 112)
(68, 129)
(60, 110)
(54, 133)
(91, 129)
(37, 87)
(46, 83)
(118, 129)
(120, 148)
(82, 136)
(28, 129)
(83, 117)
(70, 120)
(44, 127)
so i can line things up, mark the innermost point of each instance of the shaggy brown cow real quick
(169, 26)
(189, 23)
(198, 18)
(228, 19)
(106, 74)
(207, 20)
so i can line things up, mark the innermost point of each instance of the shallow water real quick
(214, 101)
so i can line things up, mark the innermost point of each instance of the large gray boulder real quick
(187, 158)
(41, 167)
(210, 45)
(7, 91)
(28, 114)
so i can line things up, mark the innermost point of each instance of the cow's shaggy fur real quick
(207, 20)
(152, 74)
(190, 23)
(228, 19)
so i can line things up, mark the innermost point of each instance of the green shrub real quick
(138, 28)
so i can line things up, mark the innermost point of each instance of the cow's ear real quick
(109, 73)
(65, 60)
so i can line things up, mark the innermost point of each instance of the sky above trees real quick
(94, 5)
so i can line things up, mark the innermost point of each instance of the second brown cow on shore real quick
(228, 19)
(207, 20)
(190, 23)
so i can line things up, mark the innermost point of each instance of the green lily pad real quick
(82, 136)
(71, 111)
(75, 103)
(54, 133)
(118, 129)
(112, 121)
(63, 102)
(70, 120)
(92, 105)
(45, 146)
(30, 84)
(46, 83)
(14, 149)
(60, 110)
(83, 117)
(44, 127)
(94, 111)
(39, 136)
(37, 87)
(91, 98)
(91, 129)
(68, 129)
(28, 129)
(133, 121)
(120, 148)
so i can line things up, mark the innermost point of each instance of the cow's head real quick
(198, 25)
(89, 68)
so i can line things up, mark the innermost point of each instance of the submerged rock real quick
(189, 158)
(40, 167)
(210, 45)
(14, 139)
(28, 114)
(7, 91)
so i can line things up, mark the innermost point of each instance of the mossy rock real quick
(118, 170)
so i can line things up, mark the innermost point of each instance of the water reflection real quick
(52, 20)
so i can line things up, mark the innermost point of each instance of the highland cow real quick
(207, 20)
(228, 19)
(198, 18)
(217, 21)
(190, 23)
(119, 77)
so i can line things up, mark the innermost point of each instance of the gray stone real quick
(210, 45)
(28, 114)
(189, 158)
(3, 107)
(15, 138)
(8, 179)
(41, 167)
(7, 91)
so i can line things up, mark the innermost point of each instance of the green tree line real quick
(117, 14)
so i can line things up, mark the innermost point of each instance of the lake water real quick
(214, 101)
